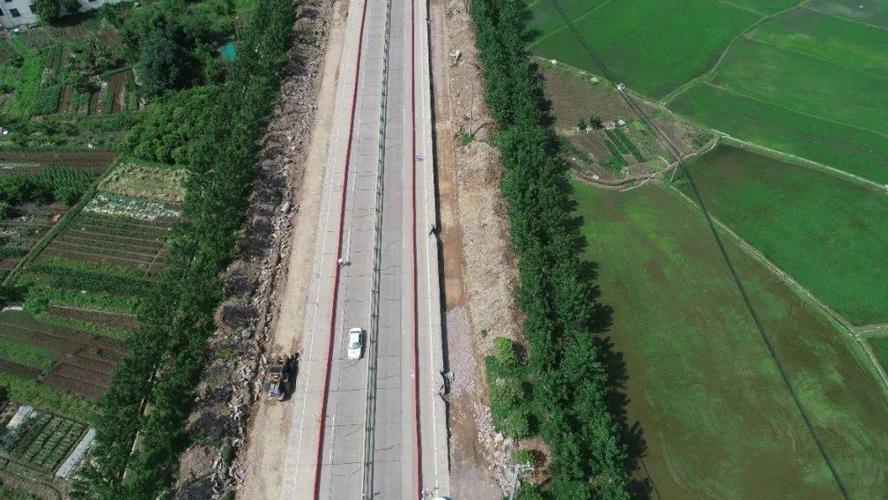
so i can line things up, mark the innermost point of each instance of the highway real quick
(374, 427)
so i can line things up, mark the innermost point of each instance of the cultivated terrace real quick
(129, 136)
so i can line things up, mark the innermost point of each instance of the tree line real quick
(152, 389)
(560, 388)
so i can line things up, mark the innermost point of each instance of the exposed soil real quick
(25, 372)
(116, 83)
(95, 159)
(478, 265)
(252, 326)
(107, 318)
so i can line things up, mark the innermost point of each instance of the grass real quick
(165, 184)
(765, 6)
(829, 38)
(717, 419)
(873, 12)
(880, 347)
(829, 234)
(25, 354)
(28, 84)
(545, 19)
(806, 84)
(652, 58)
(31, 392)
(842, 147)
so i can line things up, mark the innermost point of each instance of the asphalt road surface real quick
(374, 427)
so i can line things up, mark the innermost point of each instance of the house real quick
(14, 13)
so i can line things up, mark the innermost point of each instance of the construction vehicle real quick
(279, 376)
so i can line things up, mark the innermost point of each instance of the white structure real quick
(15, 13)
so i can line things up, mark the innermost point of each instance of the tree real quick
(48, 10)
(581, 125)
(71, 6)
(160, 63)
(596, 123)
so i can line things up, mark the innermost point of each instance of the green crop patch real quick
(830, 38)
(873, 12)
(880, 347)
(829, 234)
(545, 18)
(26, 354)
(647, 43)
(766, 6)
(839, 146)
(805, 84)
(717, 419)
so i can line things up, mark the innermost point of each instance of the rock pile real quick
(231, 382)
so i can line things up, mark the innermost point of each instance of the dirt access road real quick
(267, 438)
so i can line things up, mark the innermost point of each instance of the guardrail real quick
(372, 344)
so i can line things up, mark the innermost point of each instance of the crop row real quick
(44, 440)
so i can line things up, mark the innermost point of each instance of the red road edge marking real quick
(418, 448)
(323, 419)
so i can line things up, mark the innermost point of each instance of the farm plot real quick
(653, 46)
(126, 221)
(31, 202)
(843, 147)
(41, 441)
(82, 363)
(716, 418)
(102, 238)
(829, 38)
(604, 136)
(880, 347)
(73, 159)
(873, 12)
(829, 234)
(805, 84)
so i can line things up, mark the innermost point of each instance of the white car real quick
(355, 343)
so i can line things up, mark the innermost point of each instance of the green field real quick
(829, 234)
(829, 38)
(546, 19)
(880, 347)
(25, 354)
(717, 418)
(766, 6)
(805, 84)
(873, 12)
(649, 47)
(853, 150)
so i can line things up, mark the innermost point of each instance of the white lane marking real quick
(426, 119)
(320, 271)
(340, 325)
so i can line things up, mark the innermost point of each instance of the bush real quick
(166, 130)
(521, 457)
(47, 10)
(505, 352)
(161, 63)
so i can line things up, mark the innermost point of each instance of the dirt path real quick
(267, 438)
(479, 270)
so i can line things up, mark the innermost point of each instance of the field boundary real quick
(837, 319)
(56, 229)
(566, 23)
(801, 162)
(743, 34)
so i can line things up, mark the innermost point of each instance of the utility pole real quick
(517, 470)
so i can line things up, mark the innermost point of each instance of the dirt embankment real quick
(226, 398)
(479, 268)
